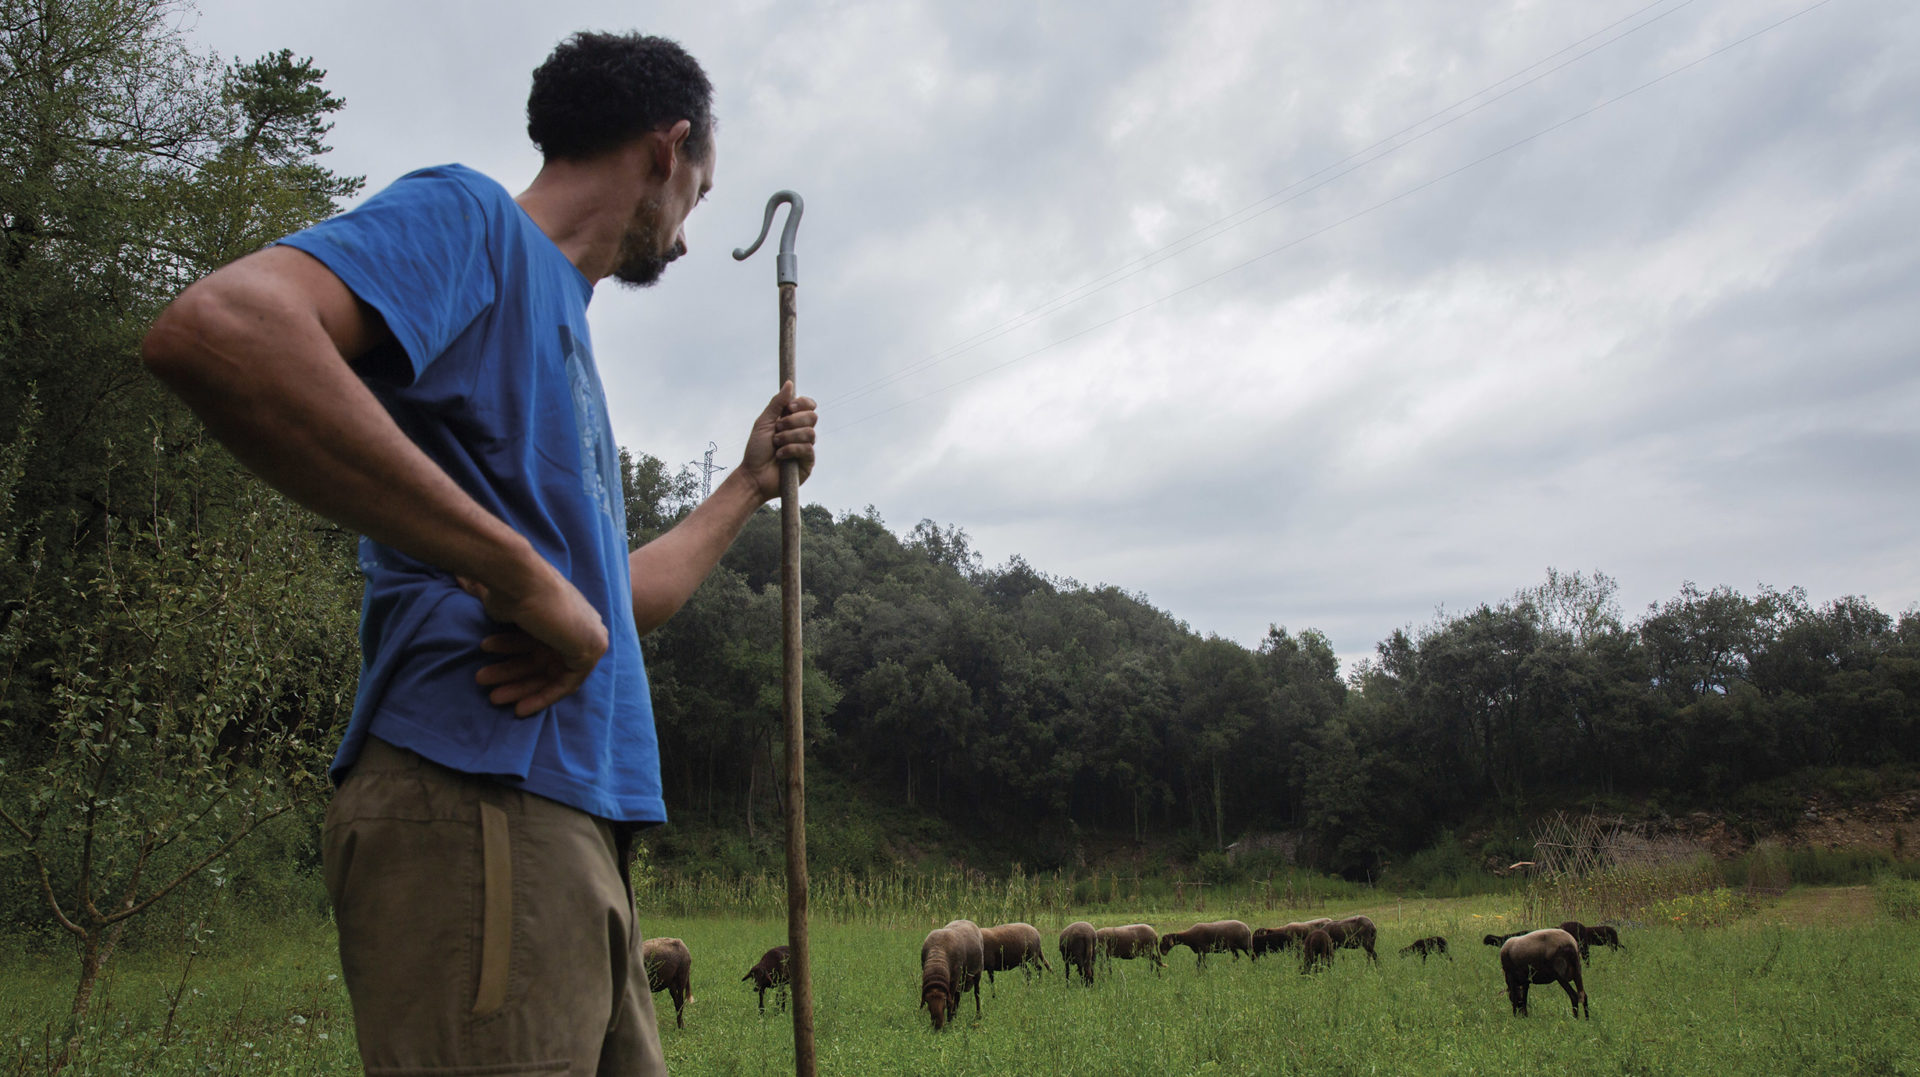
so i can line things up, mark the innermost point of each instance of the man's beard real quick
(642, 259)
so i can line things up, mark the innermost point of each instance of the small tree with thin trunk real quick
(188, 676)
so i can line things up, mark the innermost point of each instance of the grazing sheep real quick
(950, 962)
(772, 971)
(1590, 936)
(1214, 937)
(1354, 932)
(1602, 935)
(1546, 956)
(1501, 940)
(1129, 942)
(1432, 944)
(1269, 940)
(1013, 946)
(1076, 950)
(669, 968)
(1316, 951)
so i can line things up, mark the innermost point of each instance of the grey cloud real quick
(1668, 341)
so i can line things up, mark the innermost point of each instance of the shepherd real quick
(420, 370)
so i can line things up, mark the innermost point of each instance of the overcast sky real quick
(1468, 297)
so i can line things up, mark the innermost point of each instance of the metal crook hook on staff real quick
(799, 965)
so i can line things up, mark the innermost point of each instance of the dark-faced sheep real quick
(1501, 940)
(1013, 946)
(1602, 935)
(771, 971)
(1214, 937)
(1076, 950)
(1431, 946)
(951, 959)
(1129, 942)
(669, 968)
(1355, 932)
(1590, 936)
(1316, 950)
(1546, 956)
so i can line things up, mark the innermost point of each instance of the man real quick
(420, 370)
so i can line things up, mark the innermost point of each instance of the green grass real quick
(1761, 996)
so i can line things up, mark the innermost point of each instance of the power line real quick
(1222, 225)
(1324, 229)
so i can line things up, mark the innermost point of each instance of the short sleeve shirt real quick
(498, 387)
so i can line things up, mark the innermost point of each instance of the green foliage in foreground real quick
(1898, 897)
(1760, 997)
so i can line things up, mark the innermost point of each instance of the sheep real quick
(1501, 940)
(669, 968)
(1316, 951)
(1129, 942)
(1355, 932)
(1432, 944)
(771, 971)
(950, 962)
(1546, 956)
(1076, 950)
(1603, 935)
(1587, 937)
(1273, 939)
(1268, 940)
(1013, 946)
(1218, 936)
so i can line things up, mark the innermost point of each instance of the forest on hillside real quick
(1009, 701)
(178, 651)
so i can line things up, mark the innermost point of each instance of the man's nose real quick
(679, 246)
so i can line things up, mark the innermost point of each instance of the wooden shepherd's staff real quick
(799, 967)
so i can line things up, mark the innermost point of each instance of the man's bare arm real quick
(260, 350)
(669, 569)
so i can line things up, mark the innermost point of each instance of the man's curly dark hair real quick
(598, 91)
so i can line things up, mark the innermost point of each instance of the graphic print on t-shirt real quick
(599, 461)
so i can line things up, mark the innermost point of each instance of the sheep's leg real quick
(1574, 996)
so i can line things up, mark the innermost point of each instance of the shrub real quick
(1897, 897)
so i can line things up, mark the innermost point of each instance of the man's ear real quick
(668, 144)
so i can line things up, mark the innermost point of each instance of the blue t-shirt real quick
(498, 387)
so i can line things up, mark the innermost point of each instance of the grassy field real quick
(1821, 982)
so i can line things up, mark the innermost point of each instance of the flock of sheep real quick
(954, 958)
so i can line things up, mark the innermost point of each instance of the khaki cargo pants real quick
(484, 930)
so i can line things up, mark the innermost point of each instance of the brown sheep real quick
(1354, 932)
(950, 962)
(1129, 942)
(1013, 946)
(1432, 944)
(1501, 940)
(1546, 956)
(669, 968)
(1218, 936)
(1316, 951)
(772, 971)
(1269, 940)
(1076, 950)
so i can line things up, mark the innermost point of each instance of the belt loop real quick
(496, 918)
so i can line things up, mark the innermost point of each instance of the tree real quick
(177, 639)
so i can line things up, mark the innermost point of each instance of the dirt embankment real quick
(1890, 824)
